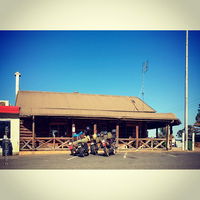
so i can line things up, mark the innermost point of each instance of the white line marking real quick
(125, 155)
(171, 155)
(71, 158)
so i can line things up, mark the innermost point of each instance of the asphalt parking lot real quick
(122, 160)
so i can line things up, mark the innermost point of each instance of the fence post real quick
(33, 132)
(167, 136)
(73, 128)
(95, 128)
(193, 141)
(137, 134)
(54, 141)
(117, 135)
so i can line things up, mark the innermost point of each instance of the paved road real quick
(130, 160)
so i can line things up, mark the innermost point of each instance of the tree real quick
(162, 132)
(191, 129)
(179, 133)
(197, 123)
(198, 115)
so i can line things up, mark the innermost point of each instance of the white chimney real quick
(17, 75)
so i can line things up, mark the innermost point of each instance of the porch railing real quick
(44, 143)
(62, 143)
(141, 143)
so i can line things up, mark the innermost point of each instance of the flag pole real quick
(186, 92)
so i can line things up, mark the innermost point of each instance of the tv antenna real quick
(145, 67)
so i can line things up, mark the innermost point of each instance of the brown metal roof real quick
(86, 105)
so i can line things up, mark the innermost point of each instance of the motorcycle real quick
(73, 143)
(108, 143)
(94, 144)
(79, 145)
(82, 149)
(73, 149)
(108, 148)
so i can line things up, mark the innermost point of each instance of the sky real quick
(104, 62)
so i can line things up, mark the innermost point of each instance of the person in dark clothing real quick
(6, 146)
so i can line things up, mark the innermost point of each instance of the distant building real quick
(9, 125)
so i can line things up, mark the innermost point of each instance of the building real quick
(197, 133)
(48, 119)
(9, 125)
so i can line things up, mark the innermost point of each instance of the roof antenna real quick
(145, 67)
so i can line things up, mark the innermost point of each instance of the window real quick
(130, 131)
(4, 129)
(58, 130)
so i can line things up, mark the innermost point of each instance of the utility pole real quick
(183, 140)
(186, 92)
(193, 141)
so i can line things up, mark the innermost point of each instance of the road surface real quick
(123, 160)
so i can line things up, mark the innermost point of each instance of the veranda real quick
(55, 132)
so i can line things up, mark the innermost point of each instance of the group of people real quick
(87, 135)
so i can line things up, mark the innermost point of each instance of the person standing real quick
(6, 146)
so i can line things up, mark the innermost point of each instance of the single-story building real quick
(197, 135)
(9, 126)
(48, 119)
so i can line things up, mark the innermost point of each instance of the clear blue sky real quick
(104, 62)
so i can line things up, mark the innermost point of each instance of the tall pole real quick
(183, 140)
(193, 141)
(186, 92)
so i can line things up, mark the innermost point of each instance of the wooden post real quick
(156, 132)
(54, 143)
(144, 131)
(33, 132)
(170, 136)
(152, 143)
(95, 128)
(117, 135)
(167, 136)
(137, 134)
(73, 128)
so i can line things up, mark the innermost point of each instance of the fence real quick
(62, 143)
(141, 143)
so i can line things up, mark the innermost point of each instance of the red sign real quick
(9, 109)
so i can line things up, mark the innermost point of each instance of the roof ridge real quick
(110, 95)
(89, 109)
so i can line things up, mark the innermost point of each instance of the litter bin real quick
(190, 144)
(6, 147)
